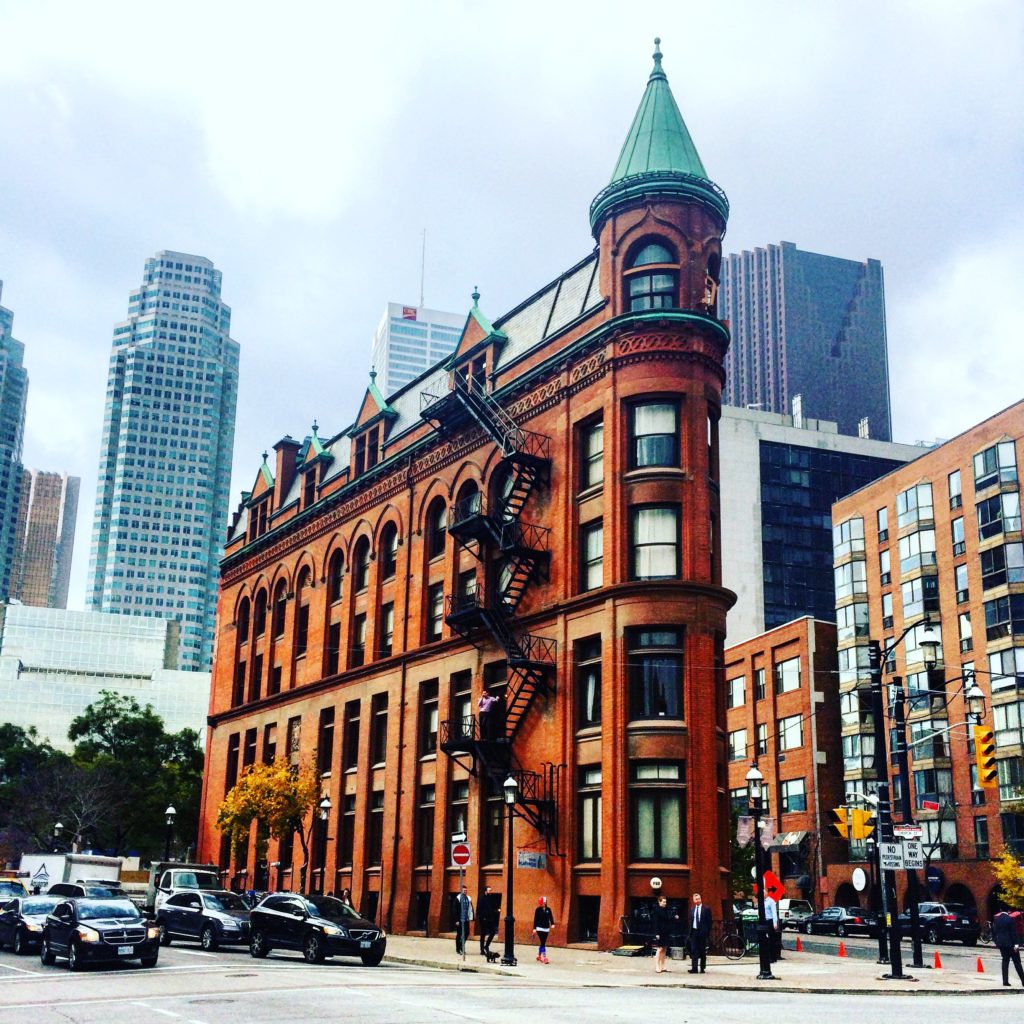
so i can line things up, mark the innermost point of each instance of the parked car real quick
(211, 918)
(792, 913)
(943, 922)
(83, 890)
(318, 926)
(12, 887)
(96, 931)
(22, 919)
(841, 921)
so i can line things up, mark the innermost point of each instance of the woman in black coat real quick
(543, 922)
(664, 922)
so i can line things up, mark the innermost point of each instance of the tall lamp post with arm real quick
(325, 814)
(755, 782)
(169, 815)
(510, 790)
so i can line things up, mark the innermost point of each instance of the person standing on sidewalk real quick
(543, 922)
(487, 915)
(771, 917)
(1004, 935)
(463, 919)
(664, 922)
(700, 933)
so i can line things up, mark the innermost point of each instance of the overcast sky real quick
(304, 147)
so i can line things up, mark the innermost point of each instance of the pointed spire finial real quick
(476, 295)
(315, 426)
(265, 454)
(657, 71)
(373, 374)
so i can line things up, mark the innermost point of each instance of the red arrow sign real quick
(460, 855)
(773, 887)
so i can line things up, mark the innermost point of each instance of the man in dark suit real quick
(488, 910)
(699, 935)
(1004, 935)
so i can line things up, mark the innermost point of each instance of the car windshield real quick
(332, 909)
(228, 902)
(101, 890)
(95, 909)
(40, 905)
(12, 889)
(196, 880)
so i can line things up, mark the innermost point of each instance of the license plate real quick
(963, 920)
(125, 950)
(365, 944)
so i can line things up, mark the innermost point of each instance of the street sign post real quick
(462, 857)
(913, 854)
(908, 831)
(890, 855)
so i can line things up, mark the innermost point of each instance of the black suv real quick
(319, 926)
(942, 922)
(214, 918)
(98, 930)
(841, 921)
(22, 919)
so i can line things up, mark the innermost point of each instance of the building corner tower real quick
(659, 225)
(165, 461)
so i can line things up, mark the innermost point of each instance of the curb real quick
(447, 965)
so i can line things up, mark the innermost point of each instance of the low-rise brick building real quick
(537, 518)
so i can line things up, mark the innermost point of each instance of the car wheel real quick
(148, 961)
(258, 945)
(932, 936)
(808, 928)
(208, 940)
(45, 953)
(312, 949)
(841, 930)
(165, 935)
(19, 943)
(74, 963)
(373, 958)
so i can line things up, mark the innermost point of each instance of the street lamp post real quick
(58, 831)
(754, 791)
(510, 790)
(325, 814)
(169, 816)
(876, 872)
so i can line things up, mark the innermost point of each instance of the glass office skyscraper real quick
(13, 396)
(411, 339)
(165, 463)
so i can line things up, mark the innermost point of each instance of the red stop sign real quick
(460, 854)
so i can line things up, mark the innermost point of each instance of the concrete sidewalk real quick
(796, 972)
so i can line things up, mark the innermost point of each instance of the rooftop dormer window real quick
(652, 278)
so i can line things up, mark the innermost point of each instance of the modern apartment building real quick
(409, 340)
(782, 711)
(809, 325)
(47, 514)
(941, 540)
(165, 461)
(536, 519)
(13, 398)
(780, 476)
(54, 663)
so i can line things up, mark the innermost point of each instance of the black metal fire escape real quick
(518, 554)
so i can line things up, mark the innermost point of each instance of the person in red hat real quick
(543, 922)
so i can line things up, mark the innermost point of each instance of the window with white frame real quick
(794, 796)
(737, 745)
(995, 465)
(787, 675)
(914, 505)
(791, 732)
(735, 693)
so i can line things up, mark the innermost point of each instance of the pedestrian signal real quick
(985, 752)
(842, 823)
(862, 823)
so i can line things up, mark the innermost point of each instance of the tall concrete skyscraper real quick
(165, 464)
(13, 396)
(46, 538)
(411, 339)
(809, 325)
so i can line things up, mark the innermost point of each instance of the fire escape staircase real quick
(523, 558)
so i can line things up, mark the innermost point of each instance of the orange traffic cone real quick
(799, 945)
(842, 949)
(938, 961)
(981, 968)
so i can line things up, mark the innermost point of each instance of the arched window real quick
(259, 618)
(242, 621)
(652, 278)
(389, 551)
(501, 491)
(302, 612)
(467, 503)
(335, 576)
(280, 608)
(437, 528)
(361, 564)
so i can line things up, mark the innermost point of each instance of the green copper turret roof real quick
(658, 139)
(658, 156)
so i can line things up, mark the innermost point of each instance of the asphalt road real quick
(190, 987)
(951, 953)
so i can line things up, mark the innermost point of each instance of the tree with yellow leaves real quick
(1010, 876)
(279, 797)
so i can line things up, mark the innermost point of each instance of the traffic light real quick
(862, 823)
(985, 752)
(842, 822)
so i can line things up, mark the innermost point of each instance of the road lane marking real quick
(156, 1009)
(194, 952)
(21, 970)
